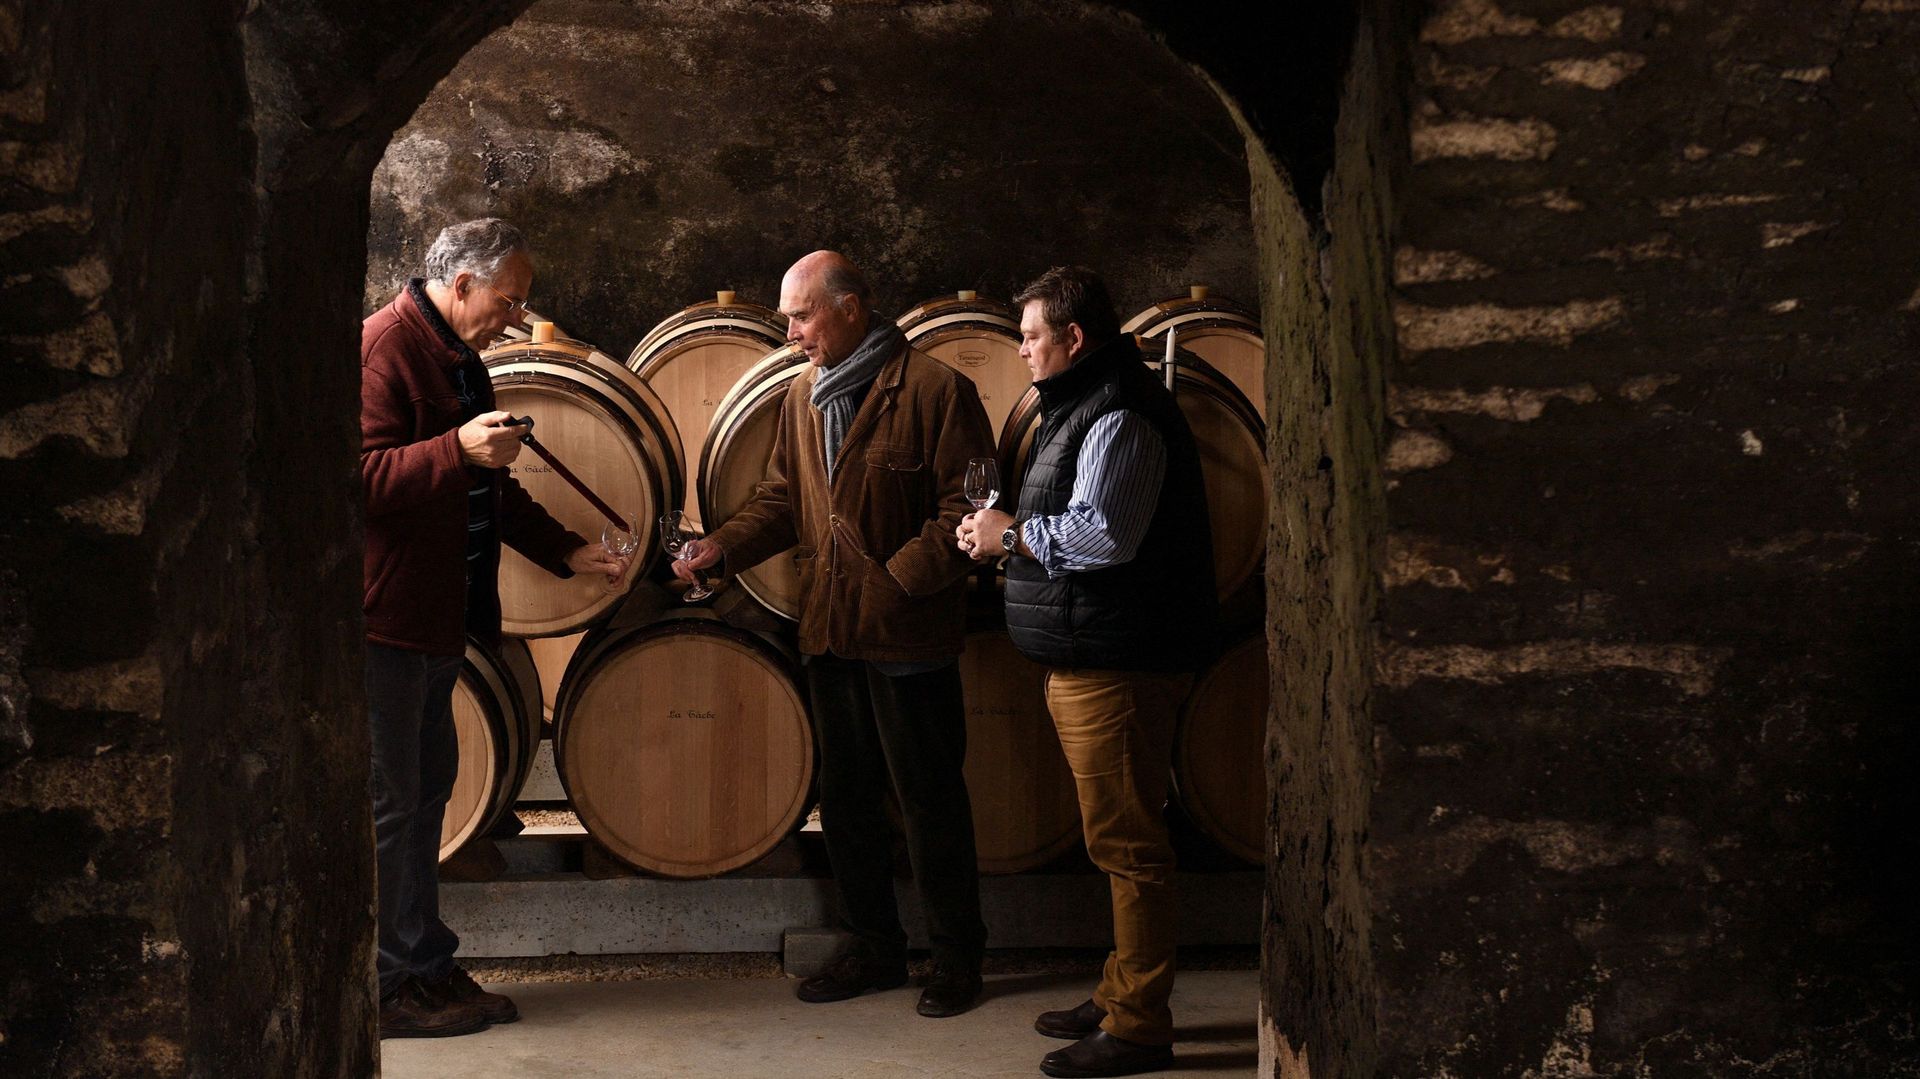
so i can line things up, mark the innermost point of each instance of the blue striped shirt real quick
(1116, 485)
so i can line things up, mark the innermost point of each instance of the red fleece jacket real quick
(416, 487)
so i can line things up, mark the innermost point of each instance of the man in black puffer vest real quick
(1110, 587)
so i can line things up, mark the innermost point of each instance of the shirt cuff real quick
(1040, 542)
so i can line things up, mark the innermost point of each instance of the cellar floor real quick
(753, 1026)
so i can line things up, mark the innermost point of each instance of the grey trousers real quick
(415, 757)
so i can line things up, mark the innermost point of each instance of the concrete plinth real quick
(567, 913)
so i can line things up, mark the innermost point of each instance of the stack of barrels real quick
(682, 739)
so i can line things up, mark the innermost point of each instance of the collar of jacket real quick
(426, 322)
(1087, 371)
(890, 376)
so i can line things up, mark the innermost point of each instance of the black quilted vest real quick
(1155, 612)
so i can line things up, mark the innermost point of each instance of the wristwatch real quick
(1010, 539)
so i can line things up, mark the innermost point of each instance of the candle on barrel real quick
(1166, 364)
(542, 333)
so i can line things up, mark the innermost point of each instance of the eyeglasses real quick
(512, 304)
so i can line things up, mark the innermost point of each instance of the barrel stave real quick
(496, 717)
(608, 427)
(693, 358)
(1219, 760)
(684, 745)
(734, 461)
(1026, 812)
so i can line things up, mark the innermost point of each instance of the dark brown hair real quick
(1070, 294)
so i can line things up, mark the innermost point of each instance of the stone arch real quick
(180, 771)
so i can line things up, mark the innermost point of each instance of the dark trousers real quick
(907, 734)
(415, 757)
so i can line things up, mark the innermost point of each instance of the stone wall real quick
(183, 763)
(655, 152)
(1648, 690)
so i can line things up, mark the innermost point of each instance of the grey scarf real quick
(838, 390)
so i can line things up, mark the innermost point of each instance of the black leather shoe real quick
(1101, 1054)
(1072, 1024)
(949, 992)
(848, 976)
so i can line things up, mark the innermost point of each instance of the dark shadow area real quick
(1216, 1032)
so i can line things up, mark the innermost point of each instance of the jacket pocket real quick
(879, 576)
(895, 458)
(803, 563)
(897, 498)
(886, 617)
(379, 569)
(439, 412)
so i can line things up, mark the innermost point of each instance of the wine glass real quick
(621, 541)
(983, 482)
(674, 536)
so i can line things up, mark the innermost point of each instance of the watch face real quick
(1010, 539)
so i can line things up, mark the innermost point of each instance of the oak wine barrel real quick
(1219, 751)
(734, 461)
(684, 744)
(1219, 331)
(691, 359)
(1232, 441)
(606, 425)
(978, 338)
(496, 716)
(1025, 810)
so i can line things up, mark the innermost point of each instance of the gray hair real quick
(475, 247)
(846, 280)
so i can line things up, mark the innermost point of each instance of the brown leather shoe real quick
(1072, 1024)
(1101, 1054)
(848, 976)
(415, 1011)
(461, 988)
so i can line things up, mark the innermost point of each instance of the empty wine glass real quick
(675, 536)
(621, 541)
(983, 482)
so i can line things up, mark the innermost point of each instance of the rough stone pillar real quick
(183, 770)
(181, 797)
(1323, 132)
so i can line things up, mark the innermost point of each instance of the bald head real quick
(831, 272)
(827, 303)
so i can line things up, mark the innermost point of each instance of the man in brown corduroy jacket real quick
(866, 484)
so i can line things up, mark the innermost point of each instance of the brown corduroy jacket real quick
(880, 576)
(416, 485)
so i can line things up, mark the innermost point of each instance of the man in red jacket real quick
(433, 457)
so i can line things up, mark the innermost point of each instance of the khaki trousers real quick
(1116, 728)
